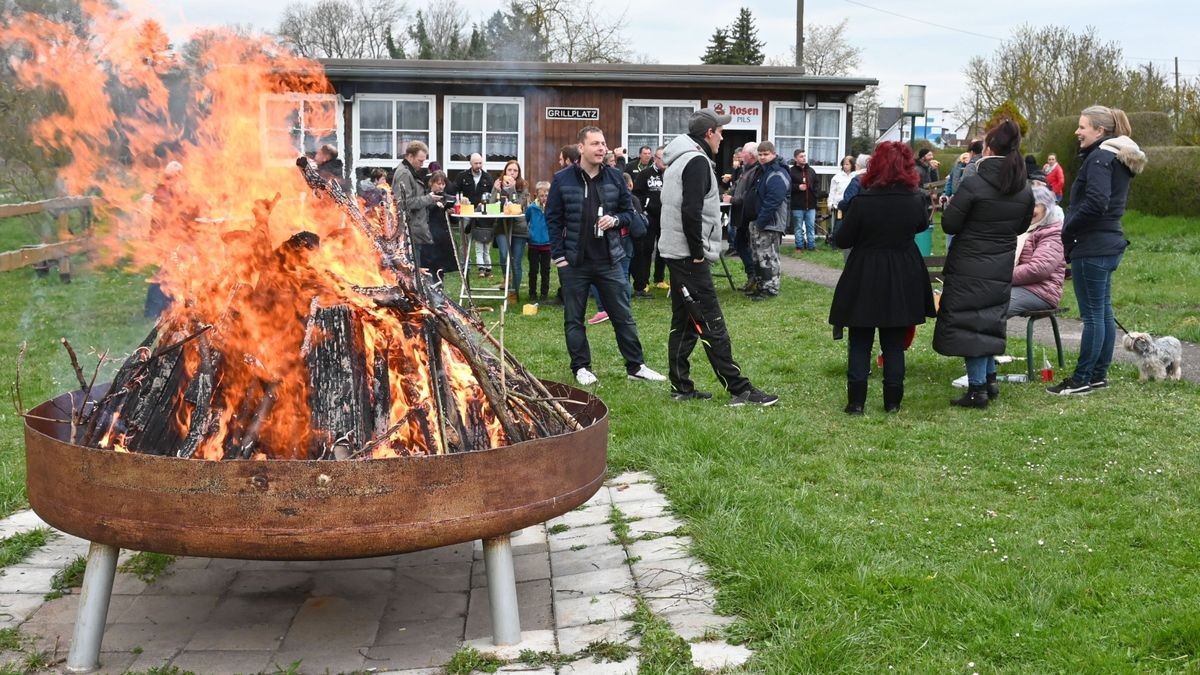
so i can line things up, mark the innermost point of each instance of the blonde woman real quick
(1093, 239)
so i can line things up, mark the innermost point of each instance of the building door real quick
(732, 142)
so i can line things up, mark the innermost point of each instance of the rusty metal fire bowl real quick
(309, 510)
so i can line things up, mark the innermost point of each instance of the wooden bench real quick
(934, 265)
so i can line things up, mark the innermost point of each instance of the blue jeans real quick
(1093, 292)
(978, 368)
(804, 227)
(612, 282)
(518, 257)
(625, 262)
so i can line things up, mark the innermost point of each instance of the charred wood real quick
(337, 378)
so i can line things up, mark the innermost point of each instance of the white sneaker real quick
(644, 373)
(586, 378)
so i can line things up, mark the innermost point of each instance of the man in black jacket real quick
(804, 201)
(644, 161)
(587, 212)
(647, 188)
(473, 185)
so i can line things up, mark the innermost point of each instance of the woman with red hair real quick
(884, 285)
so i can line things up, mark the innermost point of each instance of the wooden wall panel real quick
(544, 137)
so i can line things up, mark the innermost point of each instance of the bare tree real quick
(447, 31)
(1051, 71)
(341, 29)
(576, 32)
(827, 51)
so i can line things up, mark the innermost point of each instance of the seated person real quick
(1040, 266)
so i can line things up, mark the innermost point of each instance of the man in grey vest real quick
(690, 241)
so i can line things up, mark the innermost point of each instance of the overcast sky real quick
(902, 42)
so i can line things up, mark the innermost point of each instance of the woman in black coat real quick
(988, 211)
(884, 285)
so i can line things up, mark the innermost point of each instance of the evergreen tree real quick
(717, 53)
(394, 49)
(420, 35)
(745, 48)
(513, 36)
(477, 49)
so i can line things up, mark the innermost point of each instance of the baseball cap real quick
(706, 118)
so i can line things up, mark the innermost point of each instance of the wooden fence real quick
(58, 252)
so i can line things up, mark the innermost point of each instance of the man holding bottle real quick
(587, 212)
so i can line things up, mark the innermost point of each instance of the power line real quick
(929, 23)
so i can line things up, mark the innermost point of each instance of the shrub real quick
(1059, 139)
(1170, 185)
(1152, 128)
(1008, 111)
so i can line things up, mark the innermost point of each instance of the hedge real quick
(1170, 185)
(1152, 129)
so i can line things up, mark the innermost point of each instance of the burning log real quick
(337, 360)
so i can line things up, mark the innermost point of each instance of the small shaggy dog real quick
(1158, 359)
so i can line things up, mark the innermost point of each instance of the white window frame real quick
(447, 101)
(339, 114)
(648, 102)
(431, 128)
(841, 139)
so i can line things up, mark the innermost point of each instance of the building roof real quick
(583, 73)
(887, 118)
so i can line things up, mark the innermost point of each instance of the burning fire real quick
(262, 272)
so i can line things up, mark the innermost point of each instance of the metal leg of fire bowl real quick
(93, 608)
(502, 590)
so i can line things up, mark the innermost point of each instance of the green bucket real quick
(925, 241)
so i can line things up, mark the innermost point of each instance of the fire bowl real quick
(309, 510)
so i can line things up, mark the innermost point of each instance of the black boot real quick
(892, 395)
(993, 389)
(976, 397)
(856, 397)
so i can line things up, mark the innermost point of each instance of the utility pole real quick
(1178, 103)
(800, 38)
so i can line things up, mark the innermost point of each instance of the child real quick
(438, 257)
(539, 244)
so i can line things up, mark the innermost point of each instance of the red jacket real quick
(1041, 267)
(1054, 178)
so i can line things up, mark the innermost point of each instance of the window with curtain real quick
(655, 123)
(491, 127)
(297, 124)
(387, 125)
(817, 130)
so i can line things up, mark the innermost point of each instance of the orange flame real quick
(184, 150)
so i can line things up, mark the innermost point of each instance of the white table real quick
(467, 262)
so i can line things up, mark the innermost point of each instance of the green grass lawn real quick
(1154, 289)
(1041, 535)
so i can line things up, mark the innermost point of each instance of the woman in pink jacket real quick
(1037, 281)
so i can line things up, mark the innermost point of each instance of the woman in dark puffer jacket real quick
(987, 213)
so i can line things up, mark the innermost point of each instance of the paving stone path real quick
(577, 582)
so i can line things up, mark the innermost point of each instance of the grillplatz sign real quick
(563, 113)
